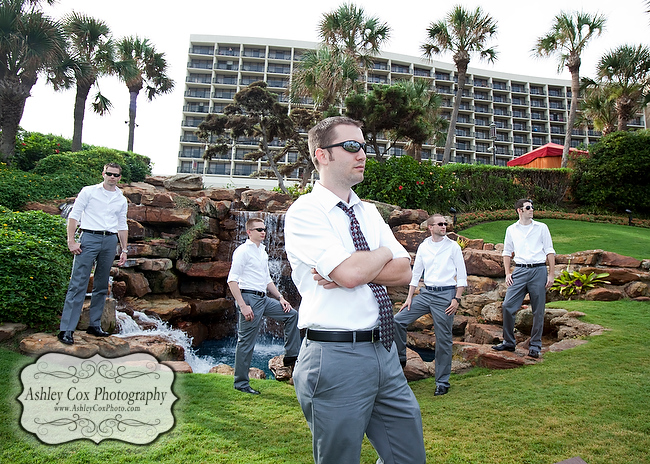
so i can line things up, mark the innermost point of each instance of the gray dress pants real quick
(532, 281)
(435, 303)
(95, 249)
(350, 389)
(248, 330)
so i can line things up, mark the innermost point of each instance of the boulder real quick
(485, 356)
(483, 334)
(609, 258)
(219, 194)
(107, 321)
(191, 182)
(195, 330)
(604, 294)
(478, 284)
(10, 329)
(618, 275)
(570, 327)
(209, 308)
(493, 313)
(410, 238)
(207, 289)
(425, 340)
(475, 244)
(409, 216)
(637, 289)
(84, 346)
(159, 200)
(566, 344)
(158, 346)
(210, 269)
(146, 264)
(473, 304)
(136, 230)
(223, 369)
(162, 281)
(415, 368)
(483, 263)
(280, 371)
(162, 307)
(265, 200)
(205, 248)
(585, 258)
(180, 367)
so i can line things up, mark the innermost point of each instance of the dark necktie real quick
(385, 307)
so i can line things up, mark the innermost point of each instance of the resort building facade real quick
(502, 116)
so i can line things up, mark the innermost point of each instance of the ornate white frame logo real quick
(67, 398)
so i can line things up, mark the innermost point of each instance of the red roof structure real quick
(546, 156)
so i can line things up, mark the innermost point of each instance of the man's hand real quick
(549, 281)
(247, 312)
(509, 281)
(407, 304)
(122, 260)
(452, 308)
(74, 247)
(323, 281)
(286, 306)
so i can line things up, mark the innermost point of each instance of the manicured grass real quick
(572, 236)
(592, 401)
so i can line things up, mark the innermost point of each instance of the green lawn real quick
(572, 236)
(592, 401)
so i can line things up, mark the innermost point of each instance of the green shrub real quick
(34, 267)
(616, 174)
(34, 146)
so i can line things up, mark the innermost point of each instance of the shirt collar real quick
(101, 186)
(329, 200)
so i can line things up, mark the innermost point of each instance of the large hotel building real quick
(512, 113)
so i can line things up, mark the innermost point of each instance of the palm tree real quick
(324, 76)
(626, 71)
(568, 37)
(93, 52)
(348, 30)
(596, 107)
(148, 68)
(462, 32)
(31, 43)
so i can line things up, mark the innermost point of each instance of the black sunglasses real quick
(528, 207)
(260, 229)
(113, 174)
(440, 224)
(351, 146)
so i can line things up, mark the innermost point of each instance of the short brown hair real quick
(321, 134)
(113, 165)
(520, 203)
(431, 222)
(251, 221)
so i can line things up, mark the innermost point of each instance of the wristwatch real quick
(457, 299)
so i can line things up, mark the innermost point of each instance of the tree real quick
(462, 32)
(148, 68)
(324, 76)
(93, 52)
(303, 120)
(626, 73)
(349, 31)
(255, 112)
(568, 38)
(596, 106)
(31, 43)
(349, 41)
(391, 113)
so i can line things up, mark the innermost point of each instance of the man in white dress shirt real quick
(347, 382)
(445, 279)
(100, 212)
(530, 242)
(249, 280)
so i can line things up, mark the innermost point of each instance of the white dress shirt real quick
(99, 209)
(442, 263)
(250, 267)
(530, 243)
(317, 235)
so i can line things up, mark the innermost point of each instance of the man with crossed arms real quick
(445, 279)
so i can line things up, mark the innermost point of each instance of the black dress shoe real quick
(289, 361)
(533, 354)
(96, 331)
(66, 337)
(503, 347)
(441, 390)
(247, 389)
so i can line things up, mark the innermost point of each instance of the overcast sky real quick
(168, 25)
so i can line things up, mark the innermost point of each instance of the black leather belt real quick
(254, 292)
(98, 232)
(440, 289)
(531, 265)
(343, 336)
